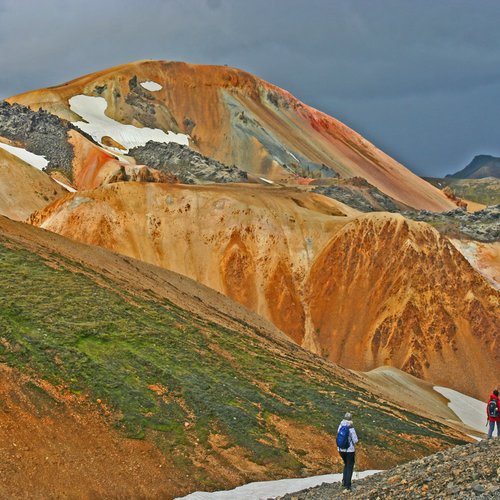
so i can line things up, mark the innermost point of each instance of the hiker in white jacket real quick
(347, 434)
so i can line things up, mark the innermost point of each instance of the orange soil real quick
(54, 445)
(484, 257)
(489, 261)
(23, 188)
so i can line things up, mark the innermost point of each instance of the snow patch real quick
(269, 489)
(151, 86)
(65, 186)
(34, 160)
(98, 125)
(267, 181)
(474, 437)
(469, 410)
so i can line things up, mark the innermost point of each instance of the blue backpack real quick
(343, 437)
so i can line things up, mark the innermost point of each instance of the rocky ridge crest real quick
(358, 193)
(189, 166)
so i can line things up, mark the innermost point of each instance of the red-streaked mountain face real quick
(229, 115)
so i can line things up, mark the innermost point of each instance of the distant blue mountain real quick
(481, 166)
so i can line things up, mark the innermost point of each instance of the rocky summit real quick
(358, 193)
(469, 471)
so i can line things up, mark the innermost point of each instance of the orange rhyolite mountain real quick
(23, 188)
(236, 118)
(362, 290)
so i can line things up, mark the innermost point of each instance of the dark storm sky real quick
(419, 78)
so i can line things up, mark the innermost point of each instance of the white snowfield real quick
(267, 181)
(470, 411)
(98, 125)
(270, 489)
(32, 159)
(65, 186)
(151, 86)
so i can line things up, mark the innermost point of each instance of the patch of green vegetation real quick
(485, 191)
(159, 368)
(42, 402)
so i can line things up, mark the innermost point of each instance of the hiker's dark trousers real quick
(491, 427)
(348, 458)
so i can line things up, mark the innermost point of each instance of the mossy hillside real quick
(162, 371)
(486, 191)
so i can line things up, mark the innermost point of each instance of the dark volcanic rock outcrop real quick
(40, 132)
(470, 471)
(483, 225)
(189, 166)
(358, 193)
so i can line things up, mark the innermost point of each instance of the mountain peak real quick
(481, 166)
(235, 118)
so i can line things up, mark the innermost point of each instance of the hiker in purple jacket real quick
(346, 442)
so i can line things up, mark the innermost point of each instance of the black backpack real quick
(493, 408)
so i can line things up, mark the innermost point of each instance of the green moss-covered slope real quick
(179, 379)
